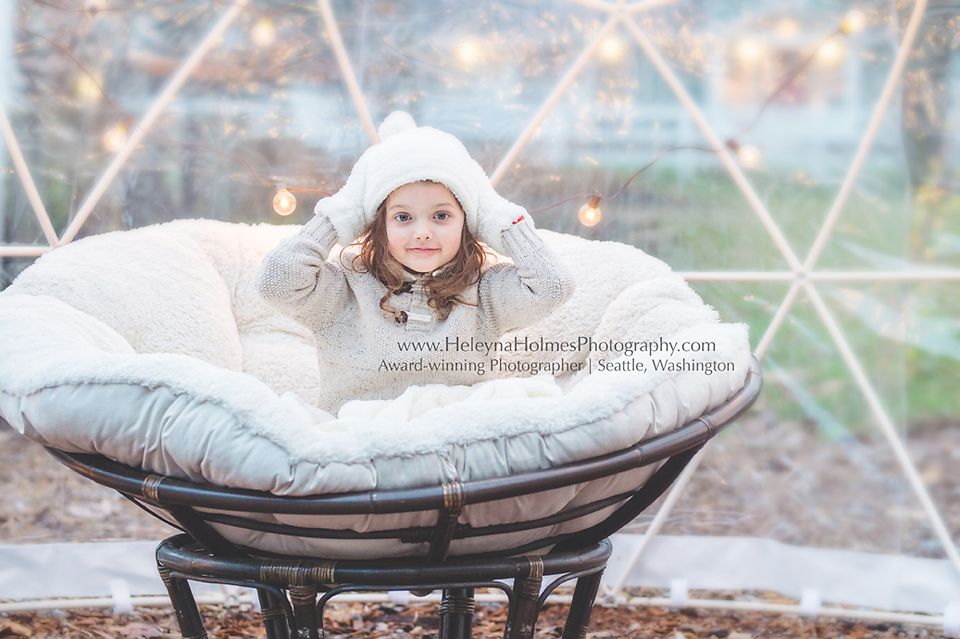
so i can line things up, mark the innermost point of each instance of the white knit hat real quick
(406, 154)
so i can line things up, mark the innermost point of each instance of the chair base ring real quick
(181, 559)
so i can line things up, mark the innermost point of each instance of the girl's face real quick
(424, 226)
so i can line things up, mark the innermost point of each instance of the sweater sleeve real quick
(518, 295)
(297, 278)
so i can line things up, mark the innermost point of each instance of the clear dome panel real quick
(21, 225)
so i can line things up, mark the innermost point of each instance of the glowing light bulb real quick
(612, 49)
(748, 154)
(590, 213)
(115, 138)
(87, 90)
(830, 53)
(854, 22)
(469, 52)
(750, 52)
(263, 34)
(284, 202)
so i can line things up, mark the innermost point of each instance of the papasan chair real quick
(146, 361)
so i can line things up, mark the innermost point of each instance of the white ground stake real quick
(951, 619)
(679, 593)
(810, 602)
(120, 592)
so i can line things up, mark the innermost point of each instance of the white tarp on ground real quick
(884, 582)
(74, 570)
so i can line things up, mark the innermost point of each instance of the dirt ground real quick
(771, 479)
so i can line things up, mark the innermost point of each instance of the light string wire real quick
(788, 81)
(731, 142)
(128, 118)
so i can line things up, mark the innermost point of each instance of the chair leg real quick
(578, 620)
(524, 609)
(273, 614)
(188, 615)
(320, 608)
(304, 599)
(456, 613)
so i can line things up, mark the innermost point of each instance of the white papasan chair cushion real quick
(152, 347)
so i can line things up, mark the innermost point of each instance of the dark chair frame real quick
(205, 555)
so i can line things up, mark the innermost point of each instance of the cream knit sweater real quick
(364, 355)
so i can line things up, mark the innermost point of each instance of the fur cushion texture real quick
(153, 348)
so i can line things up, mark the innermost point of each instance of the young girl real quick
(415, 300)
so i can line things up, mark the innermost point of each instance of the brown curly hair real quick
(443, 287)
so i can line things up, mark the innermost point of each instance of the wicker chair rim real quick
(170, 491)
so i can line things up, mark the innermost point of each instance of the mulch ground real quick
(348, 621)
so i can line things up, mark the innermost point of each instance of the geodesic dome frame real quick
(803, 274)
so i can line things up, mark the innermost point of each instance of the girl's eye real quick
(401, 217)
(442, 215)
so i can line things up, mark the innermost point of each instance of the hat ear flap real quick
(396, 122)
(344, 209)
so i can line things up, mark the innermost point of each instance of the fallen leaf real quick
(138, 630)
(9, 628)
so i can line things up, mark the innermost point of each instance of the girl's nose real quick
(422, 231)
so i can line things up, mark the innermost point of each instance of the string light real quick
(748, 154)
(612, 49)
(830, 53)
(854, 22)
(750, 52)
(88, 89)
(469, 52)
(263, 34)
(590, 213)
(115, 138)
(284, 203)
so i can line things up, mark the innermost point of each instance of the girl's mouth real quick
(421, 250)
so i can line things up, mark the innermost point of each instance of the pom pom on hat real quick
(407, 154)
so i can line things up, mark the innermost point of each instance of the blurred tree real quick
(926, 108)
(926, 91)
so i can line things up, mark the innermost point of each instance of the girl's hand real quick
(346, 220)
(345, 209)
(496, 215)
